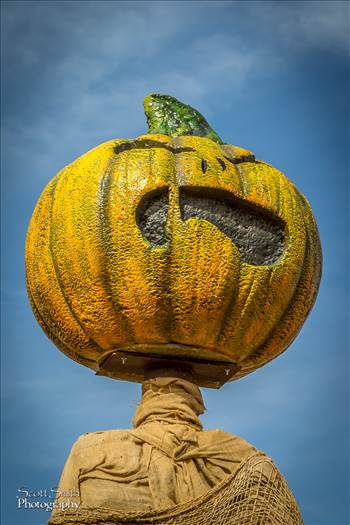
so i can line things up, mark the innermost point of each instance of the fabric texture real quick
(168, 470)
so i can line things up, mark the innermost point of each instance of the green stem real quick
(168, 116)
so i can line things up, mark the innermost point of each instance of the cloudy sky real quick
(269, 76)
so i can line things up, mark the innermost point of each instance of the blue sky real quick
(268, 76)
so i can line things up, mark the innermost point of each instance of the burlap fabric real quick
(168, 471)
(257, 494)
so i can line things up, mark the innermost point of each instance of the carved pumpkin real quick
(176, 246)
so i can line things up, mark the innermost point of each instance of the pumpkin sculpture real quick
(172, 246)
(177, 261)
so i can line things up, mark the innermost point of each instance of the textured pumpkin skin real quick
(95, 284)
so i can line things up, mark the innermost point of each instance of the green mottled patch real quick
(168, 116)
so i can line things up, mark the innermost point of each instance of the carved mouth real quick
(258, 235)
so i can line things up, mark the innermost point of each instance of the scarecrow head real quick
(172, 248)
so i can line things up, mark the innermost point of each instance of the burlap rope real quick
(168, 471)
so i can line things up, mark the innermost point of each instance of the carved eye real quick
(151, 216)
(258, 235)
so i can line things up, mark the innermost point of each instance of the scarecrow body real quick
(168, 471)
(177, 261)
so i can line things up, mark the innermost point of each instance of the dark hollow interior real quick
(151, 216)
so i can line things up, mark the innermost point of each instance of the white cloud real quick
(326, 23)
(97, 60)
(303, 24)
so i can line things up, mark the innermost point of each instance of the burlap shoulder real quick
(257, 494)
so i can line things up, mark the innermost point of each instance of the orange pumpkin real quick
(176, 246)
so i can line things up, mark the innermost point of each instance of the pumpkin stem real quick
(168, 116)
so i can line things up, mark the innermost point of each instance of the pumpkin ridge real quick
(261, 350)
(173, 215)
(277, 320)
(35, 262)
(178, 314)
(44, 207)
(231, 292)
(243, 181)
(57, 340)
(103, 228)
(277, 197)
(93, 343)
(314, 244)
(53, 336)
(249, 297)
(258, 357)
(185, 304)
(105, 213)
(163, 326)
(78, 247)
(136, 276)
(276, 317)
(281, 314)
(226, 315)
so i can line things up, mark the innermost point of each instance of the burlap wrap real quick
(168, 471)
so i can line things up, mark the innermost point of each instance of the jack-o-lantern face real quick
(172, 246)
